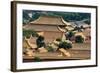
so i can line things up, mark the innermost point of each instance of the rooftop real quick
(50, 20)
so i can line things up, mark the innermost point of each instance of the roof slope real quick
(49, 20)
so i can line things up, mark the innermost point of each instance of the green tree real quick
(79, 39)
(40, 41)
(50, 49)
(69, 35)
(65, 45)
(28, 33)
(37, 59)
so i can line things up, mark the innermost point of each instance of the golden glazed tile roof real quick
(49, 20)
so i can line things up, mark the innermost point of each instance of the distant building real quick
(48, 26)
